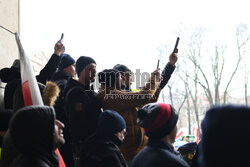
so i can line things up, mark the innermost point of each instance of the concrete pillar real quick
(9, 18)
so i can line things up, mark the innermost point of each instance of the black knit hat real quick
(108, 76)
(121, 67)
(82, 62)
(110, 122)
(157, 119)
(66, 61)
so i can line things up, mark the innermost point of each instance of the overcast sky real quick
(128, 32)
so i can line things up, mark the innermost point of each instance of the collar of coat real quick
(158, 143)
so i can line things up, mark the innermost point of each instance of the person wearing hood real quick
(102, 148)
(112, 97)
(36, 134)
(66, 70)
(12, 75)
(225, 137)
(81, 105)
(159, 122)
(49, 93)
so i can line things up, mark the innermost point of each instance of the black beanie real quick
(108, 76)
(157, 119)
(82, 62)
(66, 61)
(121, 67)
(110, 122)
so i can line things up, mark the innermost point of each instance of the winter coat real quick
(32, 132)
(166, 74)
(9, 151)
(126, 104)
(13, 79)
(82, 109)
(61, 78)
(159, 154)
(99, 152)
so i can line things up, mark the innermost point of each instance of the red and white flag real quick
(31, 92)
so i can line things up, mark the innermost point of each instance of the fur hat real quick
(49, 94)
(157, 119)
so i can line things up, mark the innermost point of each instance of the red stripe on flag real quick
(27, 94)
(61, 161)
(179, 134)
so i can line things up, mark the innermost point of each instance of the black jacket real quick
(61, 78)
(83, 110)
(32, 132)
(13, 78)
(159, 154)
(166, 74)
(101, 152)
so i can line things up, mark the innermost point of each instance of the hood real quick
(60, 75)
(32, 131)
(9, 74)
(225, 137)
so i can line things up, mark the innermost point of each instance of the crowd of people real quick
(79, 126)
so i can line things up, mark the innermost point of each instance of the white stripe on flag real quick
(29, 83)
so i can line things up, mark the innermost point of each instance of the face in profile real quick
(127, 78)
(58, 134)
(88, 73)
(119, 82)
(121, 135)
(70, 70)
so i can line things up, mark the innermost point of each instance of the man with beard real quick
(82, 106)
(36, 134)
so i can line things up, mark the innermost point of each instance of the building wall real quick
(9, 18)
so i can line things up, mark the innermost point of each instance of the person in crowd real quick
(5, 116)
(188, 151)
(166, 73)
(12, 75)
(136, 139)
(159, 122)
(66, 70)
(36, 134)
(102, 148)
(112, 97)
(82, 106)
(49, 94)
(126, 75)
(225, 137)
